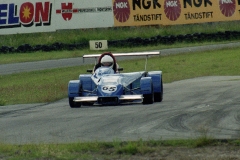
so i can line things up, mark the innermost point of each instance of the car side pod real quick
(73, 91)
(146, 86)
(86, 83)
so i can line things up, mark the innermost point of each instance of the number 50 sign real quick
(98, 45)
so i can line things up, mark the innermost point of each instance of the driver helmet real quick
(107, 61)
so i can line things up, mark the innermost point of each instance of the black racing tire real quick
(148, 99)
(74, 104)
(87, 104)
(158, 96)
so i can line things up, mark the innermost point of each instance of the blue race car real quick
(107, 86)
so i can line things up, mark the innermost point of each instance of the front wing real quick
(109, 100)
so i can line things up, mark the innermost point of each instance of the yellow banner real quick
(171, 12)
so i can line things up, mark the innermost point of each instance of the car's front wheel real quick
(74, 104)
(148, 99)
(88, 104)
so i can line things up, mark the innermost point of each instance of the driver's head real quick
(107, 61)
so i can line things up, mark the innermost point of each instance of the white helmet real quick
(107, 61)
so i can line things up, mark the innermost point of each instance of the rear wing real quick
(125, 54)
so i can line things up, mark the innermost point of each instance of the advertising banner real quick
(21, 16)
(83, 14)
(171, 12)
(17, 16)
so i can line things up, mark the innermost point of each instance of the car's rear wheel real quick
(74, 104)
(158, 96)
(148, 98)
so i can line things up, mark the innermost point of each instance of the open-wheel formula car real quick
(108, 86)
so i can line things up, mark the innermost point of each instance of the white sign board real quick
(77, 14)
(98, 45)
(21, 16)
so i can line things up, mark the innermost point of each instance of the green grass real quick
(105, 150)
(102, 150)
(51, 85)
(39, 56)
(84, 35)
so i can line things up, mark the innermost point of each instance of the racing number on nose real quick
(110, 89)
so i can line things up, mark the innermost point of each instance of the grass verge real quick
(84, 35)
(152, 149)
(40, 56)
